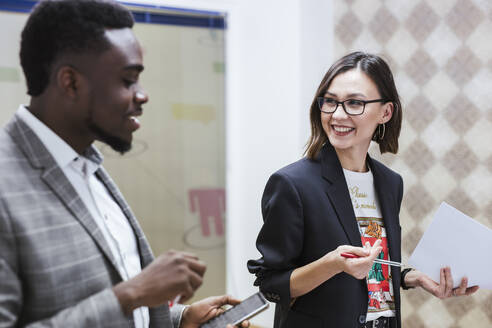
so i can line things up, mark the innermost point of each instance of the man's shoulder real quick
(12, 159)
(8, 147)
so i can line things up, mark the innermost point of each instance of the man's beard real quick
(117, 144)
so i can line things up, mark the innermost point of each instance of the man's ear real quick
(387, 112)
(68, 80)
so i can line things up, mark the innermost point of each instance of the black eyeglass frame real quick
(364, 102)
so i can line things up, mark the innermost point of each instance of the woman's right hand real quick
(358, 267)
(304, 279)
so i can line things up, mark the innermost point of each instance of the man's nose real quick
(141, 97)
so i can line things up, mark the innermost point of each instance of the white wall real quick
(276, 54)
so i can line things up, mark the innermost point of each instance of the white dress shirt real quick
(108, 215)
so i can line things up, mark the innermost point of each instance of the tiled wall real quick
(441, 54)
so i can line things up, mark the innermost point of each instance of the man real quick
(71, 252)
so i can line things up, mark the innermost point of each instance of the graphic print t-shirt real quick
(371, 228)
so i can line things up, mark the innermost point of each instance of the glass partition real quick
(174, 177)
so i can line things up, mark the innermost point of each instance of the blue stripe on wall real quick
(180, 20)
(182, 17)
(23, 6)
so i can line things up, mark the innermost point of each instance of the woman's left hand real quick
(445, 287)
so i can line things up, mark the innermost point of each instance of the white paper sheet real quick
(454, 239)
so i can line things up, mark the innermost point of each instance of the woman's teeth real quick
(342, 129)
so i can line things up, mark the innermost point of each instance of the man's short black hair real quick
(60, 27)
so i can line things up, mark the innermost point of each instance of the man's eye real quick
(128, 82)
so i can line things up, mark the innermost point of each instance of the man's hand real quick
(171, 274)
(206, 309)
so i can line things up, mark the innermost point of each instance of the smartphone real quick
(238, 313)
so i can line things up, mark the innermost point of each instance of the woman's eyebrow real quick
(356, 94)
(352, 95)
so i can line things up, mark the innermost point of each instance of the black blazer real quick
(307, 213)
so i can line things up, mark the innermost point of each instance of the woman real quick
(334, 201)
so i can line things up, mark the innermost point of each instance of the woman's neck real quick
(352, 160)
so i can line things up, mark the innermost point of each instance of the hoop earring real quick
(381, 134)
(378, 134)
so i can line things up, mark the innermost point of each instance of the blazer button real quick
(362, 318)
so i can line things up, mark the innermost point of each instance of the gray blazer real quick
(56, 269)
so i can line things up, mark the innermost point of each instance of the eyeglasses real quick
(350, 106)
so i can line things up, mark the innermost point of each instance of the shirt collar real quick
(62, 152)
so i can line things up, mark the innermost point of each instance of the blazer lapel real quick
(53, 176)
(159, 316)
(146, 255)
(387, 202)
(338, 193)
